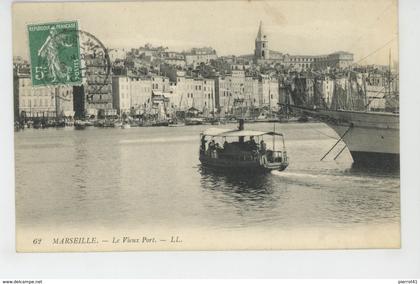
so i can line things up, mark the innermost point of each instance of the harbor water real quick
(127, 179)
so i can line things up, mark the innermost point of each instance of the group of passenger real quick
(250, 145)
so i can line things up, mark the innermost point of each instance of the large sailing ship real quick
(363, 113)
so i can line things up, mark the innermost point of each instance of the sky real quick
(367, 28)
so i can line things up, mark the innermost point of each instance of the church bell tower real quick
(261, 45)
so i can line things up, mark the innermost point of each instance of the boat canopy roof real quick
(236, 133)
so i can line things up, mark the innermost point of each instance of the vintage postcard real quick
(227, 125)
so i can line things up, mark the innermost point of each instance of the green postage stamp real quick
(55, 53)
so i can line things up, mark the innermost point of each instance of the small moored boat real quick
(194, 121)
(125, 125)
(240, 155)
(79, 124)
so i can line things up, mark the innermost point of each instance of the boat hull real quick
(240, 166)
(372, 138)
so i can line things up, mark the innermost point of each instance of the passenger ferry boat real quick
(240, 155)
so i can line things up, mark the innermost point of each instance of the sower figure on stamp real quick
(50, 50)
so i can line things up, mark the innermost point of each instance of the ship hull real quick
(375, 160)
(372, 138)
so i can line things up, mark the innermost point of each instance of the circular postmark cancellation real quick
(65, 55)
(95, 62)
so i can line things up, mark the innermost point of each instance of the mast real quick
(180, 101)
(212, 104)
(389, 74)
(274, 137)
(229, 93)
(365, 92)
(287, 103)
(348, 92)
(269, 99)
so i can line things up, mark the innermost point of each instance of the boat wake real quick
(336, 178)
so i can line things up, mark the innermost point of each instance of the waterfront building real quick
(184, 92)
(198, 93)
(94, 97)
(174, 98)
(121, 94)
(134, 94)
(41, 101)
(251, 97)
(160, 83)
(238, 90)
(238, 83)
(268, 92)
(131, 94)
(141, 91)
(273, 95)
(224, 93)
(203, 95)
